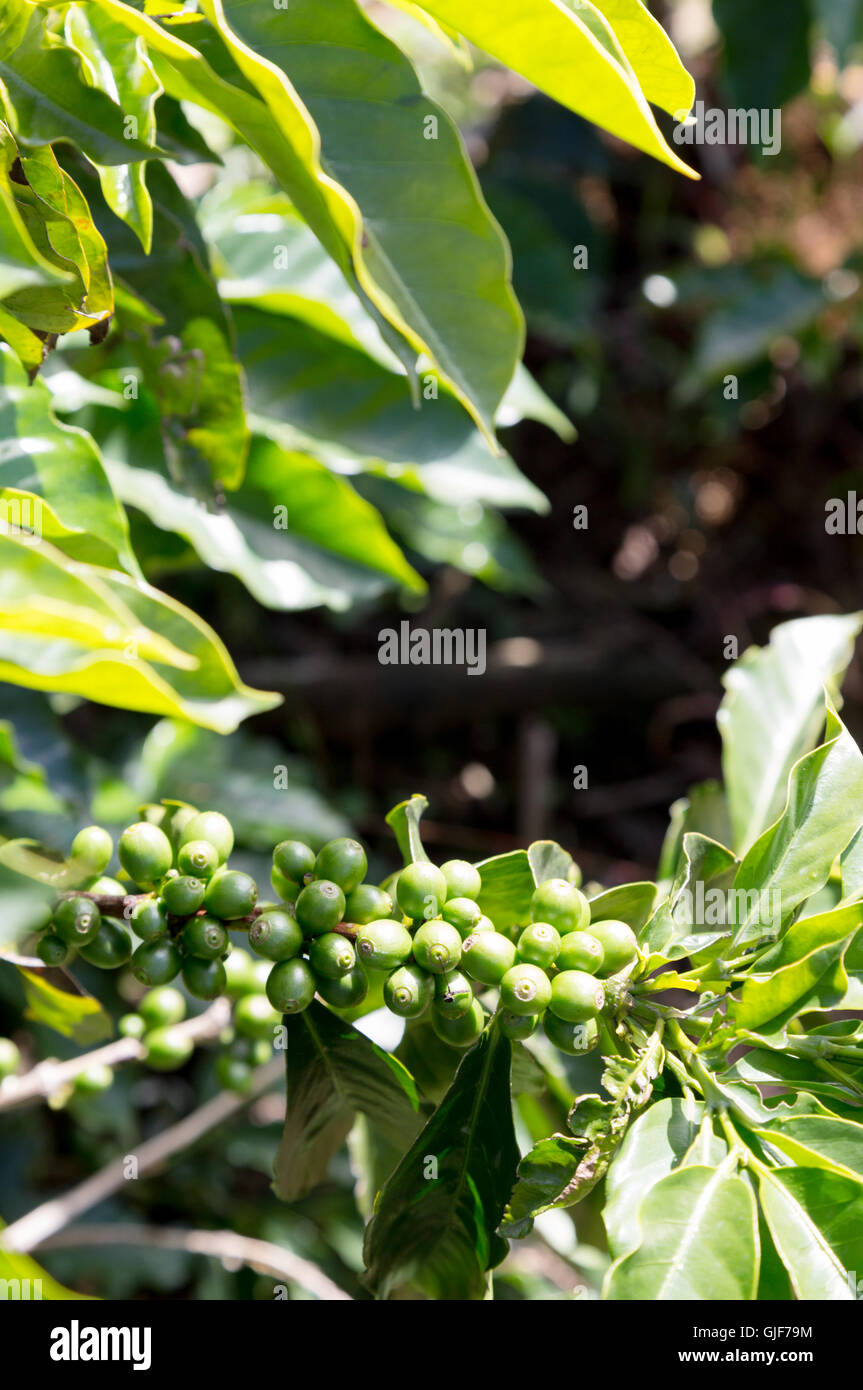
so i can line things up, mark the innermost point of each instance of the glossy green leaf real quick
(48, 101)
(404, 822)
(670, 1133)
(434, 1227)
(793, 859)
(696, 911)
(703, 811)
(545, 1176)
(819, 1141)
(507, 887)
(330, 399)
(631, 903)
(67, 626)
(651, 54)
(795, 1202)
(114, 61)
(75, 1015)
(556, 46)
(332, 1072)
(54, 482)
(795, 1075)
(430, 245)
(548, 859)
(773, 712)
(14, 18)
(800, 971)
(699, 1241)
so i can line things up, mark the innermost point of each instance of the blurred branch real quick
(44, 1221)
(49, 1076)
(261, 1255)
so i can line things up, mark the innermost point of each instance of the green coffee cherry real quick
(459, 1032)
(110, 948)
(283, 887)
(421, 890)
(149, 919)
(539, 944)
(561, 904)
(131, 1026)
(346, 992)
(205, 979)
(291, 986)
(167, 1049)
(462, 879)
(525, 989)
(367, 903)
(241, 974)
(92, 849)
(574, 1038)
(576, 996)
(343, 862)
(437, 947)
(384, 944)
(94, 1080)
(276, 935)
(486, 956)
(77, 920)
(484, 924)
(105, 884)
(408, 991)
(453, 994)
(294, 861)
(255, 1017)
(10, 1057)
(580, 950)
(52, 949)
(332, 955)
(204, 937)
(198, 859)
(619, 945)
(230, 894)
(161, 1007)
(517, 1027)
(145, 853)
(320, 907)
(212, 826)
(232, 1074)
(156, 962)
(183, 896)
(461, 913)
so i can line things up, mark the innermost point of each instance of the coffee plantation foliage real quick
(694, 1044)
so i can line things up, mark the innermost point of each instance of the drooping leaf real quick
(333, 1071)
(795, 1202)
(773, 711)
(699, 1240)
(68, 626)
(434, 1227)
(544, 1178)
(54, 483)
(558, 48)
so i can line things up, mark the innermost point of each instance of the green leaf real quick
(507, 887)
(49, 102)
(404, 821)
(795, 1203)
(78, 1016)
(698, 901)
(651, 54)
(773, 712)
(67, 626)
(795, 1075)
(430, 245)
(14, 18)
(548, 859)
(699, 1240)
(793, 859)
(318, 394)
(670, 1133)
(800, 971)
(54, 481)
(631, 903)
(556, 47)
(19, 1271)
(769, 72)
(818, 1141)
(545, 1175)
(434, 1228)
(332, 1072)
(114, 61)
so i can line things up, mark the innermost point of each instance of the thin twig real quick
(30, 1230)
(50, 1076)
(262, 1255)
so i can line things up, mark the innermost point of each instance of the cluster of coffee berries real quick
(429, 949)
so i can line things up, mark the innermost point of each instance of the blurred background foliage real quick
(705, 521)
